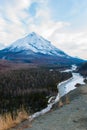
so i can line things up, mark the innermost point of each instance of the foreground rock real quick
(70, 117)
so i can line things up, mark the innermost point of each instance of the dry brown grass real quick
(60, 103)
(6, 121)
(67, 100)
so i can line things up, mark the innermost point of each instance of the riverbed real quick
(66, 86)
(63, 88)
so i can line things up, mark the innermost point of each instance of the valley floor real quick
(72, 116)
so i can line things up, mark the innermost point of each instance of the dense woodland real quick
(30, 88)
(83, 69)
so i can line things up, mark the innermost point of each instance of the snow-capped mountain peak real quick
(35, 49)
(35, 43)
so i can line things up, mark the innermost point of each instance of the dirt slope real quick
(70, 117)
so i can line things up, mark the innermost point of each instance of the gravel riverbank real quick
(71, 116)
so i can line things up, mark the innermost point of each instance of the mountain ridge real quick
(36, 49)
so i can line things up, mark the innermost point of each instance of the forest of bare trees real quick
(28, 87)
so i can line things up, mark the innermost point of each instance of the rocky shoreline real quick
(71, 116)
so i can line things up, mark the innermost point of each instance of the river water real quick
(63, 88)
(67, 86)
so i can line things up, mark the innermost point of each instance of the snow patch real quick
(73, 68)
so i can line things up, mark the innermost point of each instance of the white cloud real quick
(12, 14)
(16, 21)
(73, 43)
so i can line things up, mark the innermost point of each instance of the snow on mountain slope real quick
(37, 44)
(2, 46)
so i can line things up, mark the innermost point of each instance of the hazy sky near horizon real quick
(63, 22)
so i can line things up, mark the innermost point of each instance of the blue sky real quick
(64, 22)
